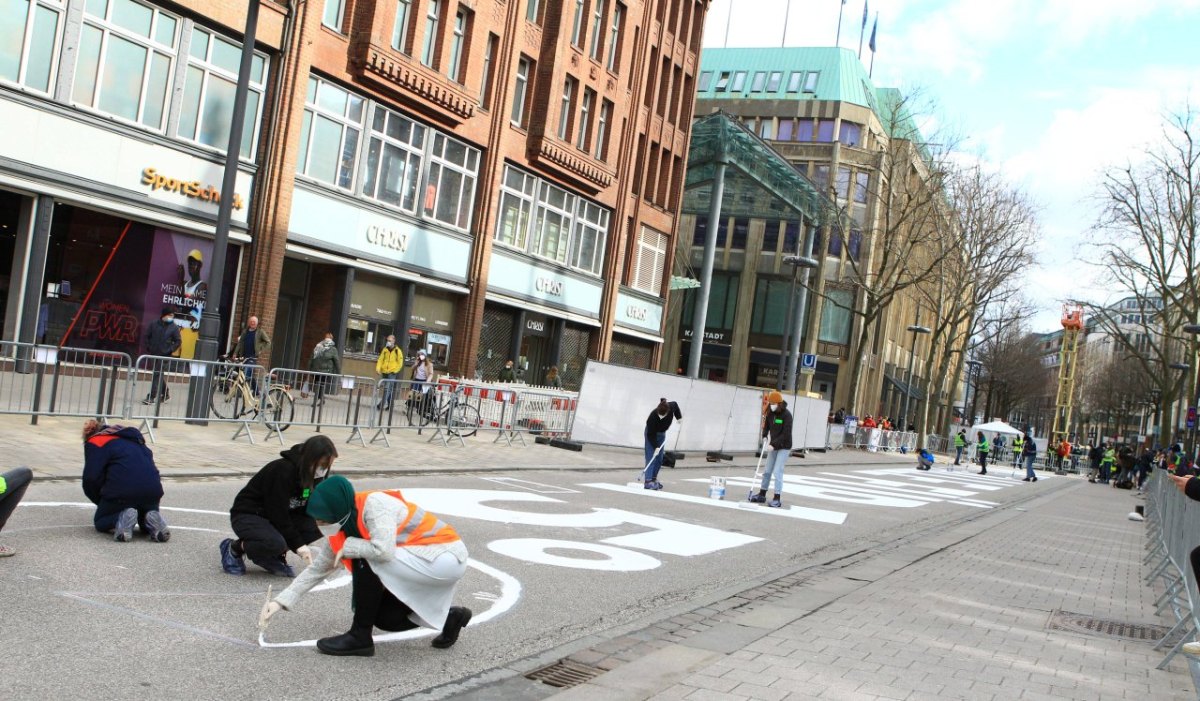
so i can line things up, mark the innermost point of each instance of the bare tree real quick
(1147, 230)
(1011, 374)
(1113, 394)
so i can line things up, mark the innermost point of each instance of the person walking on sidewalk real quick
(324, 360)
(657, 424)
(12, 488)
(960, 444)
(981, 451)
(1029, 454)
(162, 339)
(389, 364)
(252, 346)
(1095, 454)
(405, 564)
(1018, 450)
(1107, 461)
(268, 515)
(507, 373)
(777, 429)
(121, 479)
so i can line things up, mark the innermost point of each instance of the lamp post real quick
(972, 381)
(915, 330)
(1182, 368)
(796, 323)
(1192, 330)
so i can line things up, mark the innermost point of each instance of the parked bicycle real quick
(233, 397)
(455, 414)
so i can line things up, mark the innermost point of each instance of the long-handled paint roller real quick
(641, 483)
(757, 475)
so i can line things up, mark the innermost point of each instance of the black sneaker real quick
(758, 499)
(231, 563)
(456, 620)
(776, 503)
(277, 566)
(156, 525)
(346, 645)
(123, 532)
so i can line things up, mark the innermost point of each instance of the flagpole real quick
(728, 19)
(862, 30)
(874, 28)
(841, 11)
(787, 11)
(871, 71)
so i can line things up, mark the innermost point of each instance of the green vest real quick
(1017, 445)
(1110, 456)
(959, 441)
(984, 446)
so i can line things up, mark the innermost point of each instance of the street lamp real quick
(972, 378)
(1182, 368)
(796, 319)
(912, 354)
(1191, 330)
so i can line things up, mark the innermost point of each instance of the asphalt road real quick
(555, 556)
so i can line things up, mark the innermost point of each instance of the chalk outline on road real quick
(836, 518)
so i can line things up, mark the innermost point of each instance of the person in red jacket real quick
(121, 479)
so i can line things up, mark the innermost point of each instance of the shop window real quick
(212, 72)
(124, 63)
(836, 314)
(367, 337)
(552, 223)
(329, 136)
(591, 229)
(394, 159)
(29, 43)
(650, 263)
(770, 312)
(450, 187)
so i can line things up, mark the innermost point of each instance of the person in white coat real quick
(405, 563)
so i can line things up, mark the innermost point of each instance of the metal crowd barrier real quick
(51, 381)
(400, 405)
(1172, 525)
(326, 400)
(835, 436)
(176, 389)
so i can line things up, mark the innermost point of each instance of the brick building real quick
(485, 179)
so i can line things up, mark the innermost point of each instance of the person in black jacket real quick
(162, 339)
(777, 428)
(655, 435)
(121, 479)
(268, 515)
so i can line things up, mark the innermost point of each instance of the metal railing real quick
(50, 381)
(326, 400)
(199, 391)
(1172, 525)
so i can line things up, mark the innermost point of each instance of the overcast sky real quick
(1051, 92)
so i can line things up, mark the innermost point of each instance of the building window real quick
(860, 186)
(739, 81)
(786, 128)
(29, 43)
(533, 11)
(774, 81)
(843, 182)
(583, 138)
(125, 57)
(332, 17)
(518, 196)
(722, 303)
(705, 80)
(597, 30)
(591, 226)
(602, 130)
(722, 81)
(521, 91)
(760, 80)
(552, 222)
(330, 132)
(794, 81)
(429, 48)
(766, 128)
(804, 130)
(394, 160)
(565, 109)
(489, 56)
(577, 24)
(810, 82)
(454, 70)
(770, 311)
(614, 37)
(650, 261)
(825, 130)
(400, 28)
(850, 134)
(450, 187)
(836, 316)
(208, 92)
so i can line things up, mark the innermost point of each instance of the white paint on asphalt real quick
(798, 512)
(535, 550)
(155, 619)
(528, 485)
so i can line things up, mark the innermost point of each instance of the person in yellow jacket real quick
(405, 563)
(389, 365)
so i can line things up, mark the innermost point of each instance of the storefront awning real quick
(904, 388)
(759, 182)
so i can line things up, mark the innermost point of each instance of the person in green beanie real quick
(12, 487)
(405, 564)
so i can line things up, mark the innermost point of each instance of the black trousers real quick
(1195, 557)
(374, 605)
(262, 541)
(17, 481)
(982, 460)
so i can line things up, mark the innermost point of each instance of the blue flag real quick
(864, 24)
(873, 28)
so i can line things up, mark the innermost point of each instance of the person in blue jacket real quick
(121, 479)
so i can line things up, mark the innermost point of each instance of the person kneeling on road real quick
(268, 515)
(404, 561)
(120, 478)
(777, 427)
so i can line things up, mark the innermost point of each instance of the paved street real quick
(877, 580)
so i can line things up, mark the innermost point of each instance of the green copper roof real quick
(826, 73)
(759, 182)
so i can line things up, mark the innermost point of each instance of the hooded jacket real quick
(162, 338)
(275, 493)
(778, 426)
(118, 467)
(655, 424)
(325, 358)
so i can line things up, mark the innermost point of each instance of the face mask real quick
(772, 407)
(330, 529)
(662, 415)
(390, 344)
(168, 319)
(321, 472)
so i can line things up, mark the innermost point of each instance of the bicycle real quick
(460, 418)
(232, 397)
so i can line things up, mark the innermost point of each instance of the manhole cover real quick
(565, 673)
(1088, 625)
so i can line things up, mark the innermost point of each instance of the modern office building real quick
(486, 180)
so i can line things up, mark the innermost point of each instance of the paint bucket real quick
(716, 487)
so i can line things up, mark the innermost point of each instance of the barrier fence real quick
(878, 440)
(222, 391)
(51, 381)
(323, 400)
(1172, 525)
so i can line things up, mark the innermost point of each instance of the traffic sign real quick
(1191, 417)
(808, 364)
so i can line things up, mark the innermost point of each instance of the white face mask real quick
(662, 415)
(772, 407)
(390, 344)
(329, 529)
(321, 472)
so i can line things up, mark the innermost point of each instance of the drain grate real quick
(565, 674)
(1088, 625)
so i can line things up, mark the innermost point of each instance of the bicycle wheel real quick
(279, 410)
(226, 399)
(462, 420)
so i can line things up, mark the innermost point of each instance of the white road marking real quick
(798, 512)
(534, 550)
(536, 487)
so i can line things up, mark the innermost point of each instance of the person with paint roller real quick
(657, 425)
(777, 431)
(404, 562)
